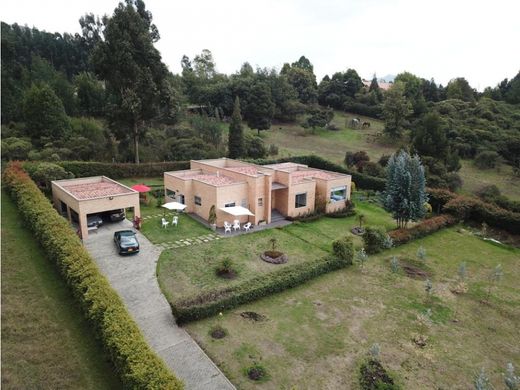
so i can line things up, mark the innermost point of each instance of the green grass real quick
(292, 139)
(46, 344)
(187, 228)
(316, 335)
(475, 178)
(186, 271)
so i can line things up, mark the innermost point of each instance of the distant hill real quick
(389, 78)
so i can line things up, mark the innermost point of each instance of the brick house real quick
(288, 189)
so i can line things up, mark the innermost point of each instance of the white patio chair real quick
(175, 221)
(247, 226)
(236, 225)
(164, 223)
(227, 227)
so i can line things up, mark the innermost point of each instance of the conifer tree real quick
(236, 133)
(405, 193)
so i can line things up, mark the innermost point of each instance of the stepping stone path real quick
(189, 241)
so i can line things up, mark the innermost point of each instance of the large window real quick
(230, 204)
(338, 194)
(198, 200)
(170, 193)
(300, 200)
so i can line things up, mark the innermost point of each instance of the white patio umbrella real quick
(237, 211)
(174, 206)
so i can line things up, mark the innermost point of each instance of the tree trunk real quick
(136, 143)
(258, 132)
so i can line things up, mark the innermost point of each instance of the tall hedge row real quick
(214, 301)
(119, 170)
(136, 364)
(422, 229)
(361, 180)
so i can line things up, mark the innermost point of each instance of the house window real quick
(300, 200)
(170, 193)
(243, 203)
(230, 204)
(338, 194)
(198, 200)
(260, 202)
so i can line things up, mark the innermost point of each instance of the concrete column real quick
(83, 225)
(137, 210)
(267, 197)
(69, 216)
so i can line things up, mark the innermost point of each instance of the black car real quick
(126, 242)
(94, 221)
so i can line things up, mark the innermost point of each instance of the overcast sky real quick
(443, 39)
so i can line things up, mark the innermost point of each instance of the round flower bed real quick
(274, 257)
(358, 231)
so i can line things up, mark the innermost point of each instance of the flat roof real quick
(300, 175)
(247, 170)
(204, 177)
(93, 187)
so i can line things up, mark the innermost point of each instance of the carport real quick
(90, 195)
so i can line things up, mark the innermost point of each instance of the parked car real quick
(94, 220)
(126, 242)
(114, 215)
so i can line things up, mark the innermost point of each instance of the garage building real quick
(92, 195)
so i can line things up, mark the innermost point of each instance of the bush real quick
(117, 170)
(46, 172)
(487, 159)
(374, 239)
(438, 197)
(424, 228)
(343, 248)
(214, 301)
(134, 361)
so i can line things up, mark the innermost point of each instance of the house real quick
(286, 189)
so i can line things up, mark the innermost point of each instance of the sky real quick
(440, 39)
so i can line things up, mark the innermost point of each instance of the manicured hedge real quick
(118, 170)
(214, 301)
(426, 227)
(361, 180)
(136, 364)
(474, 209)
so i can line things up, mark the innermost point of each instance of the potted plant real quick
(212, 218)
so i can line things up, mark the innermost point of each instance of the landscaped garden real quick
(317, 335)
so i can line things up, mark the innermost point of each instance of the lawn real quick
(316, 335)
(187, 228)
(46, 344)
(475, 178)
(184, 272)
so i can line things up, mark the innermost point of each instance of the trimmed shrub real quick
(438, 197)
(136, 364)
(468, 208)
(374, 239)
(118, 170)
(343, 248)
(214, 301)
(426, 227)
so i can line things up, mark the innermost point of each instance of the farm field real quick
(46, 344)
(316, 335)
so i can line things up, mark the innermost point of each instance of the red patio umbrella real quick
(141, 188)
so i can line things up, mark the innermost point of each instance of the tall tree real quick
(260, 108)
(44, 113)
(396, 109)
(459, 88)
(236, 133)
(405, 194)
(135, 76)
(90, 94)
(429, 138)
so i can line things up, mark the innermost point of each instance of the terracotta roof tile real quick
(96, 190)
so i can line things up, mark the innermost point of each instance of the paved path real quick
(134, 278)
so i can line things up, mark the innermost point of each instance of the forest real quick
(106, 95)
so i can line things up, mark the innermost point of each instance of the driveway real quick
(134, 279)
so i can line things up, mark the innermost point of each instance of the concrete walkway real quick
(134, 279)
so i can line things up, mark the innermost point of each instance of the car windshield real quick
(128, 240)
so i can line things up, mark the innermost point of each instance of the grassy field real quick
(315, 336)
(294, 140)
(186, 271)
(475, 179)
(46, 344)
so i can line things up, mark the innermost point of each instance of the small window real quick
(230, 204)
(170, 193)
(198, 200)
(260, 202)
(338, 194)
(300, 200)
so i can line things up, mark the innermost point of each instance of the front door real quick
(181, 199)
